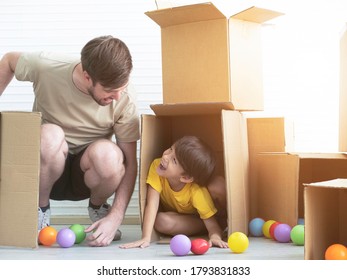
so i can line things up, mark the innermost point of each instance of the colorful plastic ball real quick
(266, 228)
(336, 252)
(238, 242)
(180, 245)
(79, 232)
(297, 235)
(66, 238)
(256, 227)
(47, 236)
(200, 246)
(301, 221)
(272, 229)
(282, 233)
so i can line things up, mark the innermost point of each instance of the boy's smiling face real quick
(169, 166)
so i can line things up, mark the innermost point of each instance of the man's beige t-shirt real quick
(61, 103)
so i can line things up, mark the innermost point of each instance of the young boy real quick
(178, 201)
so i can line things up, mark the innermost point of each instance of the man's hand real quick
(102, 232)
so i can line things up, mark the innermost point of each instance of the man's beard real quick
(91, 92)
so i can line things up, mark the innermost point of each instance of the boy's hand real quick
(143, 243)
(217, 242)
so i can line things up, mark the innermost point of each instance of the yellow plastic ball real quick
(266, 228)
(238, 242)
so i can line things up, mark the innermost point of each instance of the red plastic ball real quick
(199, 246)
(272, 230)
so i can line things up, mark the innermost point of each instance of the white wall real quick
(301, 60)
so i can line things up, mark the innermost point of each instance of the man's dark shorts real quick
(71, 185)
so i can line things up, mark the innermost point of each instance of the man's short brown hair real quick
(108, 61)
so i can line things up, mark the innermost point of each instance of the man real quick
(84, 103)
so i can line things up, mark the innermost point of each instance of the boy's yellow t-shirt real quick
(192, 199)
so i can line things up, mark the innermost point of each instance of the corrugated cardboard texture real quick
(265, 135)
(246, 74)
(225, 132)
(281, 179)
(197, 65)
(20, 163)
(236, 170)
(325, 217)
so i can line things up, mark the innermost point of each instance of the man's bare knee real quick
(52, 142)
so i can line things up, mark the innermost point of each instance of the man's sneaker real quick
(118, 235)
(44, 218)
(97, 214)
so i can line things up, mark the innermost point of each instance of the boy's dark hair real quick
(196, 158)
(108, 61)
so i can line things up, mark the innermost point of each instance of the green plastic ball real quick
(297, 235)
(79, 232)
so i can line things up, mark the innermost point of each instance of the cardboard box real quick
(19, 184)
(343, 92)
(265, 134)
(325, 216)
(281, 179)
(208, 57)
(221, 128)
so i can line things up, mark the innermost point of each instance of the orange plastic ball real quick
(48, 236)
(336, 252)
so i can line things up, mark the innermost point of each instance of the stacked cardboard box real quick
(326, 216)
(325, 201)
(282, 178)
(212, 71)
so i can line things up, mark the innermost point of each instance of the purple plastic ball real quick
(282, 233)
(180, 245)
(66, 238)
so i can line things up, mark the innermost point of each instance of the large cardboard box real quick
(325, 216)
(19, 183)
(221, 128)
(265, 134)
(281, 179)
(343, 92)
(208, 57)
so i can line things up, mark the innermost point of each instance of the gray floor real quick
(260, 248)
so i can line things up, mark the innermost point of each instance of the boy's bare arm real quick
(150, 213)
(215, 232)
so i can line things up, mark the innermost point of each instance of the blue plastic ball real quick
(256, 227)
(180, 245)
